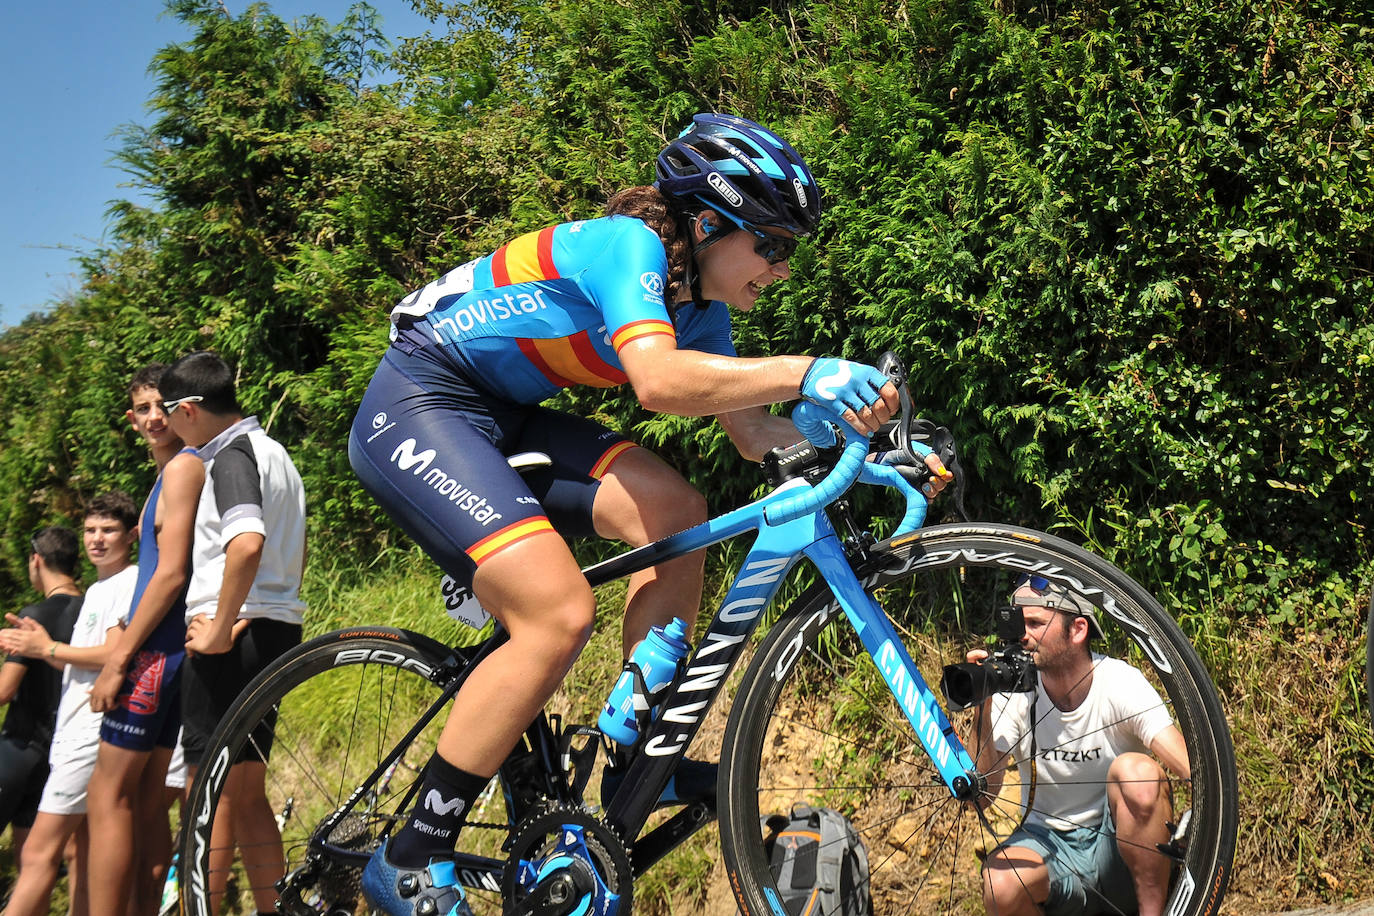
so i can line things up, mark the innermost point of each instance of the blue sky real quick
(74, 72)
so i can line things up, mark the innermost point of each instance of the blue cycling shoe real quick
(692, 781)
(430, 891)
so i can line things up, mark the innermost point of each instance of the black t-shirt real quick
(33, 711)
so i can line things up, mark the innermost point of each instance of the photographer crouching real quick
(1088, 721)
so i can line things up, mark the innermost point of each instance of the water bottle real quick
(171, 889)
(656, 660)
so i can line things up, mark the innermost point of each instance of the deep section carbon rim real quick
(341, 703)
(815, 724)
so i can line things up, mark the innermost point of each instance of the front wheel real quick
(815, 724)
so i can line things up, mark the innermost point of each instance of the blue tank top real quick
(553, 308)
(170, 635)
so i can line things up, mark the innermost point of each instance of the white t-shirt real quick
(1074, 749)
(105, 604)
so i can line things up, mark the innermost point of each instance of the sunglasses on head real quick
(1039, 583)
(171, 406)
(773, 248)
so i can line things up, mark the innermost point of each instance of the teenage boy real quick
(137, 690)
(108, 535)
(30, 687)
(243, 608)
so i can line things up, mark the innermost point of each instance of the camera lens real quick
(966, 684)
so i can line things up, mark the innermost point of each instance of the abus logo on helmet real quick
(800, 191)
(722, 187)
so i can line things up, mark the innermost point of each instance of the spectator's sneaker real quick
(430, 891)
(692, 781)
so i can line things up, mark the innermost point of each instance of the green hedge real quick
(1126, 247)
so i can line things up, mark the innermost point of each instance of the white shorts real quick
(65, 790)
(176, 768)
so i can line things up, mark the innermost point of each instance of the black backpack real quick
(819, 863)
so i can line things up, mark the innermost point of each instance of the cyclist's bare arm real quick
(755, 431)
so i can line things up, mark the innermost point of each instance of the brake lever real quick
(910, 436)
(891, 365)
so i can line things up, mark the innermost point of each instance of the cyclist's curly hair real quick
(664, 215)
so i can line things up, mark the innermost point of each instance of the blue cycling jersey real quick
(554, 308)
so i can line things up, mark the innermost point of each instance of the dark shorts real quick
(431, 448)
(211, 684)
(23, 770)
(147, 712)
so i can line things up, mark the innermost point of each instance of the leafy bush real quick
(1124, 244)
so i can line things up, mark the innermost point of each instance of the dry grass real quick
(1306, 767)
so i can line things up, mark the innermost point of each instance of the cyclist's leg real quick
(640, 501)
(430, 447)
(422, 448)
(549, 618)
(603, 484)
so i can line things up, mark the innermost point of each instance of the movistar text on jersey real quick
(407, 459)
(485, 311)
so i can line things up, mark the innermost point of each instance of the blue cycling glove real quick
(829, 382)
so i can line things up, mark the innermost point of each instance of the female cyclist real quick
(637, 296)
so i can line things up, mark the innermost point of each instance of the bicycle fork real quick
(913, 695)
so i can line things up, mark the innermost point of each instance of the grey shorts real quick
(1087, 873)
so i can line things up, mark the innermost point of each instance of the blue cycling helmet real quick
(742, 170)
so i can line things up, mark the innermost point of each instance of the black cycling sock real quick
(445, 796)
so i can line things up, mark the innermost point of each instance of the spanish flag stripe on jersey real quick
(511, 534)
(567, 361)
(637, 329)
(603, 464)
(586, 354)
(546, 265)
(499, 275)
(530, 257)
(531, 350)
(524, 260)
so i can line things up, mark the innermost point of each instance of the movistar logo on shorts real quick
(722, 187)
(485, 311)
(407, 459)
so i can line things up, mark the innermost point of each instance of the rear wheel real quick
(334, 708)
(817, 725)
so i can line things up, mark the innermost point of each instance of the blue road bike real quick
(835, 708)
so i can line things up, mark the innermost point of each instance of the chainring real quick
(554, 836)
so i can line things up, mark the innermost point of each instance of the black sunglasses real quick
(773, 248)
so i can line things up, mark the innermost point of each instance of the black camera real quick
(1008, 670)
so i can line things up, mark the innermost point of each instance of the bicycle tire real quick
(1369, 656)
(340, 702)
(815, 724)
